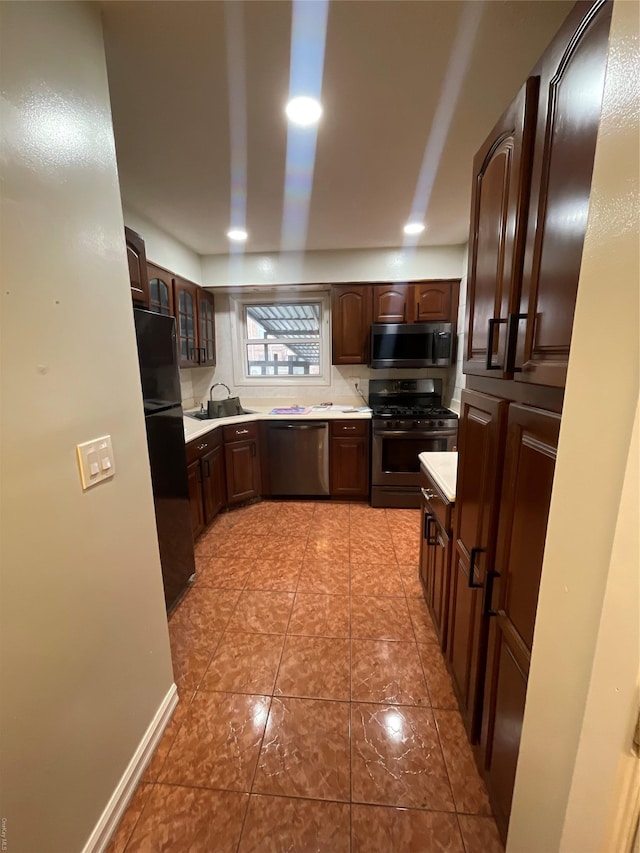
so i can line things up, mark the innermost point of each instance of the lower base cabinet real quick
(242, 462)
(206, 478)
(435, 556)
(349, 459)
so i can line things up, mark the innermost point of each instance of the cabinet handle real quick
(472, 566)
(253, 450)
(431, 540)
(493, 322)
(427, 495)
(202, 447)
(241, 431)
(491, 576)
(207, 469)
(346, 428)
(425, 526)
(512, 341)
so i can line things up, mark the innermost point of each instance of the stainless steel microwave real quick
(412, 344)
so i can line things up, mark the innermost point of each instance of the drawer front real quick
(436, 504)
(199, 446)
(240, 432)
(359, 427)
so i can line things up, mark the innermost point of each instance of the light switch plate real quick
(96, 461)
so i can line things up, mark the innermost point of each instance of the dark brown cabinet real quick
(185, 296)
(350, 323)
(435, 555)
(392, 303)
(480, 440)
(349, 459)
(137, 260)
(242, 462)
(205, 470)
(416, 302)
(206, 328)
(511, 593)
(160, 290)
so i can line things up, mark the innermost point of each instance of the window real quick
(281, 339)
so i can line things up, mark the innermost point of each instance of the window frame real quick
(240, 340)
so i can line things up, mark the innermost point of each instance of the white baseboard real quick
(115, 808)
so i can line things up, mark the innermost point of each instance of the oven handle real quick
(410, 433)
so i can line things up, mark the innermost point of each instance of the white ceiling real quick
(385, 64)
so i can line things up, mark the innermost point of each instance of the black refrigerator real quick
(158, 357)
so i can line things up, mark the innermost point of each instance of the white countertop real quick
(443, 470)
(194, 428)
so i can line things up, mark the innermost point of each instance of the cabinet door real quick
(185, 301)
(441, 558)
(391, 303)
(567, 126)
(500, 187)
(194, 479)
(350, 323)
(137, 260)
(160, 290)
(206, 328)
(480, 443)
(349, 467)
(532, 440)
(242, 471)
(434, 301)
(213, 483)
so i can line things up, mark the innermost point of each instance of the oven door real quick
(395, 454)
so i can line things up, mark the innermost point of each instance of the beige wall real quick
(164, 249)
(85, 653)
(592, 459)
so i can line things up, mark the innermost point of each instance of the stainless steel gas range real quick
(408, 419)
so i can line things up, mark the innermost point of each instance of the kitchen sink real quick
(204, 416)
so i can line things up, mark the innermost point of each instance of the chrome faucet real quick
(215, 385)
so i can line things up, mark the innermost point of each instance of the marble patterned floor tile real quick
(441, 693)
(376, 579)
(286, 549)
(421, 619)
(244, 663)
(320, 615)
(262, 612)
(396, 758)
(480, 834)
(315, 668)
(292, 528)
(224, 573)
(371, 551)
(219, 742)
(191, 651)
(380, 619)
(241, 546)
(250, 526)
(275, 574)
(406, 550)
(330, 578)
(192, 819)
(411, 581)
(129, 819)
(305, 752)
(370, 534)
(204, 610)
(322, 547)
(334, 528)
(379, 829)
(469, 791)
(153, 768)
(387, 672)
(277, 824)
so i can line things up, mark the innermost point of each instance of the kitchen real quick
(117, 613)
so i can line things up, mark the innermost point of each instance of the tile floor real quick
(316, 712)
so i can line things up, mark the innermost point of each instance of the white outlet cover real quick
(96, 461)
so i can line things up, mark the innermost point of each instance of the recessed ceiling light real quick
(304, 111)
(238, 235)
(414, 228)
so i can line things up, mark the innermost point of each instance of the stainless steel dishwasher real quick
(299, 457)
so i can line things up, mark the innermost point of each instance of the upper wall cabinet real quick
(185, 295)
(571, 75)
(137, 259)
(350, 323)
(160, 290)
(206, 328)
(531, 185)
(417, 302)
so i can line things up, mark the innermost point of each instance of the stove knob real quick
(440, 423)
